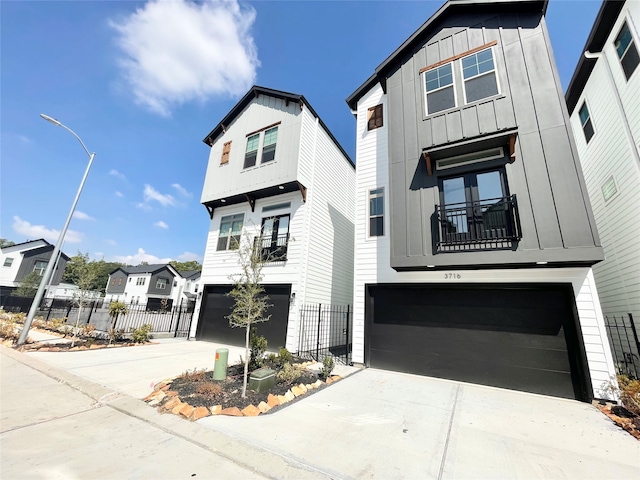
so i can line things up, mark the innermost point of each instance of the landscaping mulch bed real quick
(80, 345)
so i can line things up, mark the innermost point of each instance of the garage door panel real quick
(511, 337)
(484, 373)
(214, 324)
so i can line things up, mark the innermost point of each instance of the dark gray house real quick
(21, 259)
(145, 285)
(474, 233)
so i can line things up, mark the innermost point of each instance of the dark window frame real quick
(231, 242)
(376, 219)
(629, 57)
(586, 122)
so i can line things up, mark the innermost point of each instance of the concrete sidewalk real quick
(377, 424)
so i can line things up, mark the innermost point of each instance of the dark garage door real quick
(216, 305)
(521, 337)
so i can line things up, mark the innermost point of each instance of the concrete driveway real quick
(379, 424)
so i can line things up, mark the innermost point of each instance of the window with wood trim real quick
(440, 92)
(585, 121)
(226, 150)
(269, 145)
(479, 74)
(251, 153)
(627, 51)
(374, 117)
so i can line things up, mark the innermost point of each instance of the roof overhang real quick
(606, 18)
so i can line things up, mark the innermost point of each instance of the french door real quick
(275, 237)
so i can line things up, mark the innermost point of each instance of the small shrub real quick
(284, 356)
(272, 360)
(194, 376)
(141, 335)
(289, 373)
(209, 388)
(117, 308)
(327, 367)
(8, 331)
(258, 345)
(115, 334)
(57, 323)
(630, 393)
(90, 341)
(87, 330)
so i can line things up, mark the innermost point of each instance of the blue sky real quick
(142, 83)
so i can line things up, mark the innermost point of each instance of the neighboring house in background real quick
(68, 291)
(603, 99)
(144, 285)
(474, 235)
(190, 285)
(277, 177)
(19, 260)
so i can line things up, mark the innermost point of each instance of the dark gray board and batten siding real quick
(556, 218)
(40, 254)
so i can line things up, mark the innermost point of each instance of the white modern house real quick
(474, 238)
(149, 285)
(277, 177)
(603, 99)
(19, 260)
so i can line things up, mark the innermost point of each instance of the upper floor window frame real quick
(626, 50)
(141, 281)
(586, 122)
(375, 212)
(40, 266)
(251, 152)
(8, 262)
(161, 283)
(483, 67)
(375, 116)
(440, 77)
(230, 232)
(269, 143)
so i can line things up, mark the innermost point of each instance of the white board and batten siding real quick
(372, 256)
(610, 162)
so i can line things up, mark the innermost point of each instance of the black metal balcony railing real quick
(273, 248)
(481, 225)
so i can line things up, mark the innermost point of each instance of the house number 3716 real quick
(452, 276)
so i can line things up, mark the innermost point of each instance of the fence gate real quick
(325, 330)
(624, 344)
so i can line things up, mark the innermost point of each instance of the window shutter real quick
(374, 117)
(226, 150)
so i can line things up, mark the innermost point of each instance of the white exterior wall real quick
(613, 152)
(372, 255)
(133, 290)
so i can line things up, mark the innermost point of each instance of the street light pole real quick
(56, 251)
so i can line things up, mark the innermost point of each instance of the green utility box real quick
(262, 380)
(220, 367)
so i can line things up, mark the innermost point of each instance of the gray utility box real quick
(262, 380)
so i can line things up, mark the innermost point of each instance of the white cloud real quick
(140, 256)
(143, 206)
(161, 224)
(34, 232)
(119, 194)
(179, 51)
(151, 193)
(183, 191)
(189, 256)
(82, 216)
(116, 173)
(112, 242)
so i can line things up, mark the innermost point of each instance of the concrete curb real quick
(259, 460)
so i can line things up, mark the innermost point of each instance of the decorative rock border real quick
(168, 401)
(43, 347)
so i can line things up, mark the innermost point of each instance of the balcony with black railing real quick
(491, 224)
(273, 248)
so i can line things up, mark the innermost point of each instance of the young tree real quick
(115, 310)
(82, 297)
(250, 301)
(28, 286)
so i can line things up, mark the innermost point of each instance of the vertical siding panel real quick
(460, 42)
(454, 126)
(439, 129)
(470, 123)
(487, 117)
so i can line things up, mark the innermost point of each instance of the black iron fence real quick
(325, 330)
(175, 320)
(483, 224)
(624, 344)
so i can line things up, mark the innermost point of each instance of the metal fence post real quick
(318, 337)
(175, 334)
(348, 343)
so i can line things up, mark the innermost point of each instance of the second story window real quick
(374, 117)
(376, 212)
(479, 73)
(269, 145)
(585, 121)
(439, 89)
(161, 284)
(39, 267)
(226, 151)
(8, 262)
(141, 281)
(252, 151)
(230, 231)
(627, 51)
(119, 281)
